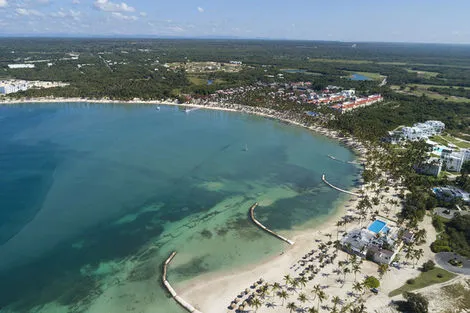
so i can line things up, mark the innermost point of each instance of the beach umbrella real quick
(233, 306)
(236, 300)
(247, 290)
(241, 308)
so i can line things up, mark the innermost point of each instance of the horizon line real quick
(222, 37)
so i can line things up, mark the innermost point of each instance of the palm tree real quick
(287, 279)
(346, 271)
(283, 295)
(276, 286)
(356, 268)
(357, 286)
(409, 255)
(420, 236)
(335, 300)
(382, 269)
(316, 290)
(302, 297)
(417, 255)
(338, 224)
(353, 258)
(321, 297)
(312, 310)
(294, 284)
(291, 306)
(255, 303)
(303, 281)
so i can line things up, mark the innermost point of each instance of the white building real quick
(11, 87)
(454, 160)
(419, 131)
(15, 66)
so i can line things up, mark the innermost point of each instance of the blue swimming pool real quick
(377, 226)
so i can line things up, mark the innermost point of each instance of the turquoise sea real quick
(94, 197)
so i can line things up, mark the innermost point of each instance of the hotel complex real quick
(442, 157)
(379, 242)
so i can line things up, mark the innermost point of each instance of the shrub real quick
(439, 275)
(440, 246)
(371, 282)
(410, 281)
(416, 302)
(429, 265)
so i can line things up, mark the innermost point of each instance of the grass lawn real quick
(423, 280)
(424, 74)
(455, 141)
(446, 139)
(439, 140)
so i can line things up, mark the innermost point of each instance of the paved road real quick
(440, 212)
(443, 259)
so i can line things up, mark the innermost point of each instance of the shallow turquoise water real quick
(94, 197)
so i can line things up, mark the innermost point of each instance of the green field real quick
(198, 80)
(419, 89)
(423, 280)
(424, 74)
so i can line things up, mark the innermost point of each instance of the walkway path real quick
(252, 214)
(170, 289)
(339, 189)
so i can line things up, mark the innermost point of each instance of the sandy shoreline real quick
(212, 292)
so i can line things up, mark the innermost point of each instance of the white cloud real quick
(108, 6)
(76, 1)
(121, 16)
(143, 14)
(26, 12)
(43, 1)
(3, 3)
(67, 14)
(200, 10)
(176, 29)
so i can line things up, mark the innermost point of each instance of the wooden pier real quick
(339, 189)
(253, 218)
(170, 289)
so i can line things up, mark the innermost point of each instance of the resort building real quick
(379, 242)
(7, 87)
(16, 66)
(450, 193)
(357, 103)
(15, 85)
(454, 160)
(433, 166)
(419, 131)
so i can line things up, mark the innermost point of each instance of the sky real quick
(433, 21)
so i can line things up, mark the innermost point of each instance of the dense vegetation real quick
(456, 236)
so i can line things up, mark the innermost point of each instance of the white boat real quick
(158, 108)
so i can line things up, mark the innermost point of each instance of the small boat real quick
(246, 148)
(158, 108)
